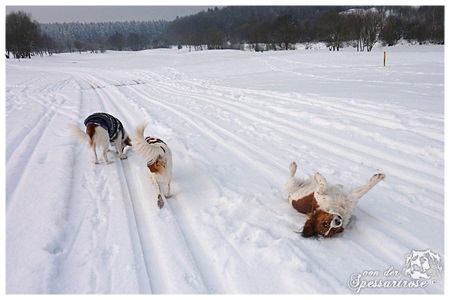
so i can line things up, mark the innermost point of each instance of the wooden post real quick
(384, 60)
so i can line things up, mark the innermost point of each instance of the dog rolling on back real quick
(158, 157)
(328, 207)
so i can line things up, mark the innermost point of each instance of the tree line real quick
(103, 36)
(260, 28)
(25, 37)
(278, 27)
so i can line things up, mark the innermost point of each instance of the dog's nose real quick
(337, 221)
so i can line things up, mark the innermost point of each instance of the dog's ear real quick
(308, 229)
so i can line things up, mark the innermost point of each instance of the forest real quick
(258, 28)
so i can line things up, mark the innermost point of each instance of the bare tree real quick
(285, 26)
(215, 38)
(258, 34)
(372, 25)
(117, 41)
(354, 25)
(391, 31)
(21, 34)
(364, 27)
(331, 28)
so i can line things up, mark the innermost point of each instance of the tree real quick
(214, 38)
(364, 27)
(285, 27)
(372, 24)
(117, 41)
(354, 25)
(331, 28)
(433, 23)
(391, 31)
(21, 34)
(47, 44)
(134, 42)
(258, 34)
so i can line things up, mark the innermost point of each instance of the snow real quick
(234, 121)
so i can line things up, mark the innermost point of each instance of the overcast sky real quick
(50, 11)
(52, 14)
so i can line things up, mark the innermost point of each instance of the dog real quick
(159, 161)
(328, 208)
(103, 129)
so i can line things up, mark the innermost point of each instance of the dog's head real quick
(322, 223)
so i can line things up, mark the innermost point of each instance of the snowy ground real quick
(234, 121)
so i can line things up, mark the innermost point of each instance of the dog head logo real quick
(423, 265)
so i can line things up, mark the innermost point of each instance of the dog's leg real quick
(322, 184)
(167, 194)
(95, 153)
(158, 190)
(119, 151)
(357, 193)
(292, 184)
(292, 169)
(105, 155)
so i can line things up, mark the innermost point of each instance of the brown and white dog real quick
(103, 129)
(159, 161)
(328, 208)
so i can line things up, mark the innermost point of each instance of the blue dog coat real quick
(111, 124)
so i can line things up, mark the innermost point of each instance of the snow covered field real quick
(234, 121)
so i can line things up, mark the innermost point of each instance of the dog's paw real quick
(319, 178)
(160, 202)
(321, 182)
(123, 157)
(377, 177)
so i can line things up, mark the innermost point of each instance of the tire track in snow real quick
(220, 136)
(38, 148)
(86, 245)
(20, 156)
(182, 112)
(176, 208)
(236, 261)
(142, 268)
(156, 232)
(344, 148)
(244, 112)
(397, 167)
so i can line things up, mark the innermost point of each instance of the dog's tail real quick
(150, 152)
(80, 134)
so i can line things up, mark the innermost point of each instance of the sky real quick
(83, 13)
(51, 11)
